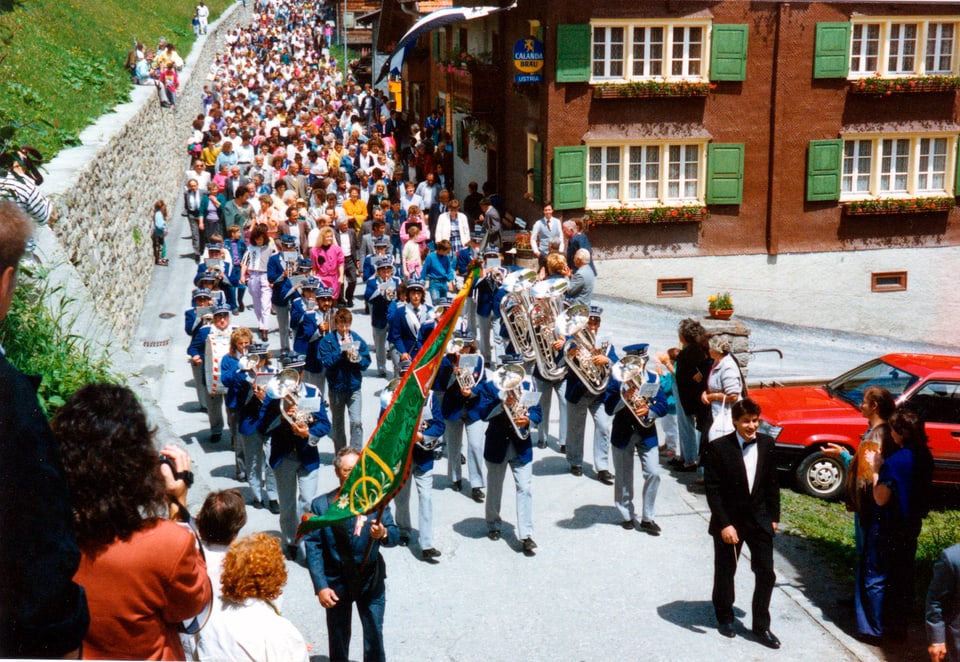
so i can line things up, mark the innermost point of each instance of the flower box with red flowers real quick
(898, 206)
(652, 88)
(632, 215)
(906, 85)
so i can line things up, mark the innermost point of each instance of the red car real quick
(802, 419)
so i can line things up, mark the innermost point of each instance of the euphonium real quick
(635, 390)
(579, 350)
(466, 365)
(547, 298)
(285, 387)
(514, 311)
(508, 380)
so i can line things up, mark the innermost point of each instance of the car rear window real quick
(850, 386)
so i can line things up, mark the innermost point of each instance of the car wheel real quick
(821, 476)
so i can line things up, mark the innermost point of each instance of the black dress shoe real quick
(767, 638)
(542, 443)
(627, 524)
(686, 468)
(274, 506)
(291, 552)
(477, 495)
(241, 307)
(650, 527)
(215, 437)
(605, 477)
(576, 470)
(463, 460)
(457, 484)
(258, 505)
(404, 541)
(493, 534)
(528, 547)
(430, 553)
(726, 629)
(563, 448)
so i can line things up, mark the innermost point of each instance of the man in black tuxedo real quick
(740, 475)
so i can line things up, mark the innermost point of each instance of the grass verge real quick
(63, 60)
(38, 341)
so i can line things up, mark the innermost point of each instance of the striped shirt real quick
(25, 193)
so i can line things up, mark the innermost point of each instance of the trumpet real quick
(388, 289)
(547, 296)
(513, 311)
(579, 350)
(635, 390)
(352, 348)
(508, 380)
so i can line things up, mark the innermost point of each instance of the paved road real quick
(594, 591)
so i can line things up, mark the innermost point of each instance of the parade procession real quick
(349, 336)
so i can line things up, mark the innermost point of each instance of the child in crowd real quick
(411, 254)
(438, 271)
(159, 233)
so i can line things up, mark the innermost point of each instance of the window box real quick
(898, 206)
(637, 215)
(652, 88)
(908, 85)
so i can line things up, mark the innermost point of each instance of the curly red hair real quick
(253, 568)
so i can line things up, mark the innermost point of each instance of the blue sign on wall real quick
(528, 59)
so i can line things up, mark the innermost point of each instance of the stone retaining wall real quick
(105, 190)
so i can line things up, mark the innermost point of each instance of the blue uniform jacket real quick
(454, 404)
(191, 323)
(276, 276)
(324, 560)
(342, 373)
(307, 334)
(486, 290)
(198, 344)
(228, 270)
(282, 438)
(379, 306)
(625, 423)
(500, 434)
(236, 380)
(369, 271)
(575, 390)
(402, 335)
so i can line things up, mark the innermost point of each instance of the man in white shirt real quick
(544, 231)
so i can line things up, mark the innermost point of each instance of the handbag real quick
(722, 423)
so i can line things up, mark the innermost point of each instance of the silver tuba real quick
(635, 390)
(579, 350)
(547, 307)
(514, 311)
(508, 380)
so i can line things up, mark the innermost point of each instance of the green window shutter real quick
(728, 52)
(573, 53)
(831, 54)
(956, 173)
(538, 172)
(570, 177)
(724, 174)
(824, 160)
(436, 44)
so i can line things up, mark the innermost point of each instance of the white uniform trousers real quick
(623, 481)
(453, 437)
(576, 424)
(424, 481)
(522, 477)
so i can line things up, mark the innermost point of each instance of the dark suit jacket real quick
(943, 602)
(186, 203)
(692, 360)
(42, 612)
(355, 253)
(725, 480)
(329, 568)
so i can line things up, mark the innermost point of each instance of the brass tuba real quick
(579, 350)
(547, 296)
(635, 390)
(514, 311)
(508, 380)
(466, 365)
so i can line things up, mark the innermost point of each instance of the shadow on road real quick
(590, 514)
(693, 615)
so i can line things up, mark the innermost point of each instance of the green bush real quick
(38, 341)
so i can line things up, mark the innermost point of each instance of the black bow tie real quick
(749, 442)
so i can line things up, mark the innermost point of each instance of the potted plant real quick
(720, 306)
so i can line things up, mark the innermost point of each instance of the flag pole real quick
(366, 554)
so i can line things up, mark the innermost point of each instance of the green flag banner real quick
(384, 463)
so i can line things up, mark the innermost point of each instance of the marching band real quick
(519, 343)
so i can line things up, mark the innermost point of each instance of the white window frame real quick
(662, 200)
(926, 28)
(667, 48)
(913, 172)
